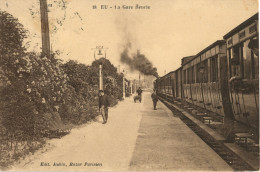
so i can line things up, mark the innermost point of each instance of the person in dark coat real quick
(155, 99)
(103, 105)
(139, 92)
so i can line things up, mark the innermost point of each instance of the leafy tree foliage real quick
(33, 87)
(12, 35)
(36, 85)
(85, 80)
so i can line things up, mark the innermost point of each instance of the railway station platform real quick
(164, 142)
(136, 138)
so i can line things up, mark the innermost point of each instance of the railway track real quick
(227, 155)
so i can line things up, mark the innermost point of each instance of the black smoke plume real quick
(138, 62)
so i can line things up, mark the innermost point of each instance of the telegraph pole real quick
(45, 29)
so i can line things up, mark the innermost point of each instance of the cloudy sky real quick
(168, 31)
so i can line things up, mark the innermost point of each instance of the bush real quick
(85, 80)
(32, 86)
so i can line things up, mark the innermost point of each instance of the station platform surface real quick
(164, 142)
(136, 138)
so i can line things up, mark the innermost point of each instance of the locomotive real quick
(223, 78)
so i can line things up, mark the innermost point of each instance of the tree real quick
(112, 80)
(12, 35)
(16, 108)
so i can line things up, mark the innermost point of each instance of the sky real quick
(165, 33)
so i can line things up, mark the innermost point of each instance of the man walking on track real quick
(103, 105)
(155, 99)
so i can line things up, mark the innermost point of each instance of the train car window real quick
(214, 68)
(169, 84)
(204, 71)
(253, 45)
(256, 67)
(247, 61)
(164, 85)
(235, 61)
(244, 59)
(184, 76)
(229, 58)
(192, 75)
(198, 77)
(188, 78)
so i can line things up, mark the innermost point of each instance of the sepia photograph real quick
(129, 85)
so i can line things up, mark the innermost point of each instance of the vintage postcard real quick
(129, 85)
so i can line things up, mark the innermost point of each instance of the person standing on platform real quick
(103, 105)
(139, 92)
(155, 99)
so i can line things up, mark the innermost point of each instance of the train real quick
(223, 78)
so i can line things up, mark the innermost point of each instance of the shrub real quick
(32, 87)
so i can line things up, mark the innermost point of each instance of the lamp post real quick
(100, 48)
(100, 77)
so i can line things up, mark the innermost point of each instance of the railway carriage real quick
(158, 85)
(185, 78)
(222, 78)
(201, 77)
(165, 86)
(243, 70)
